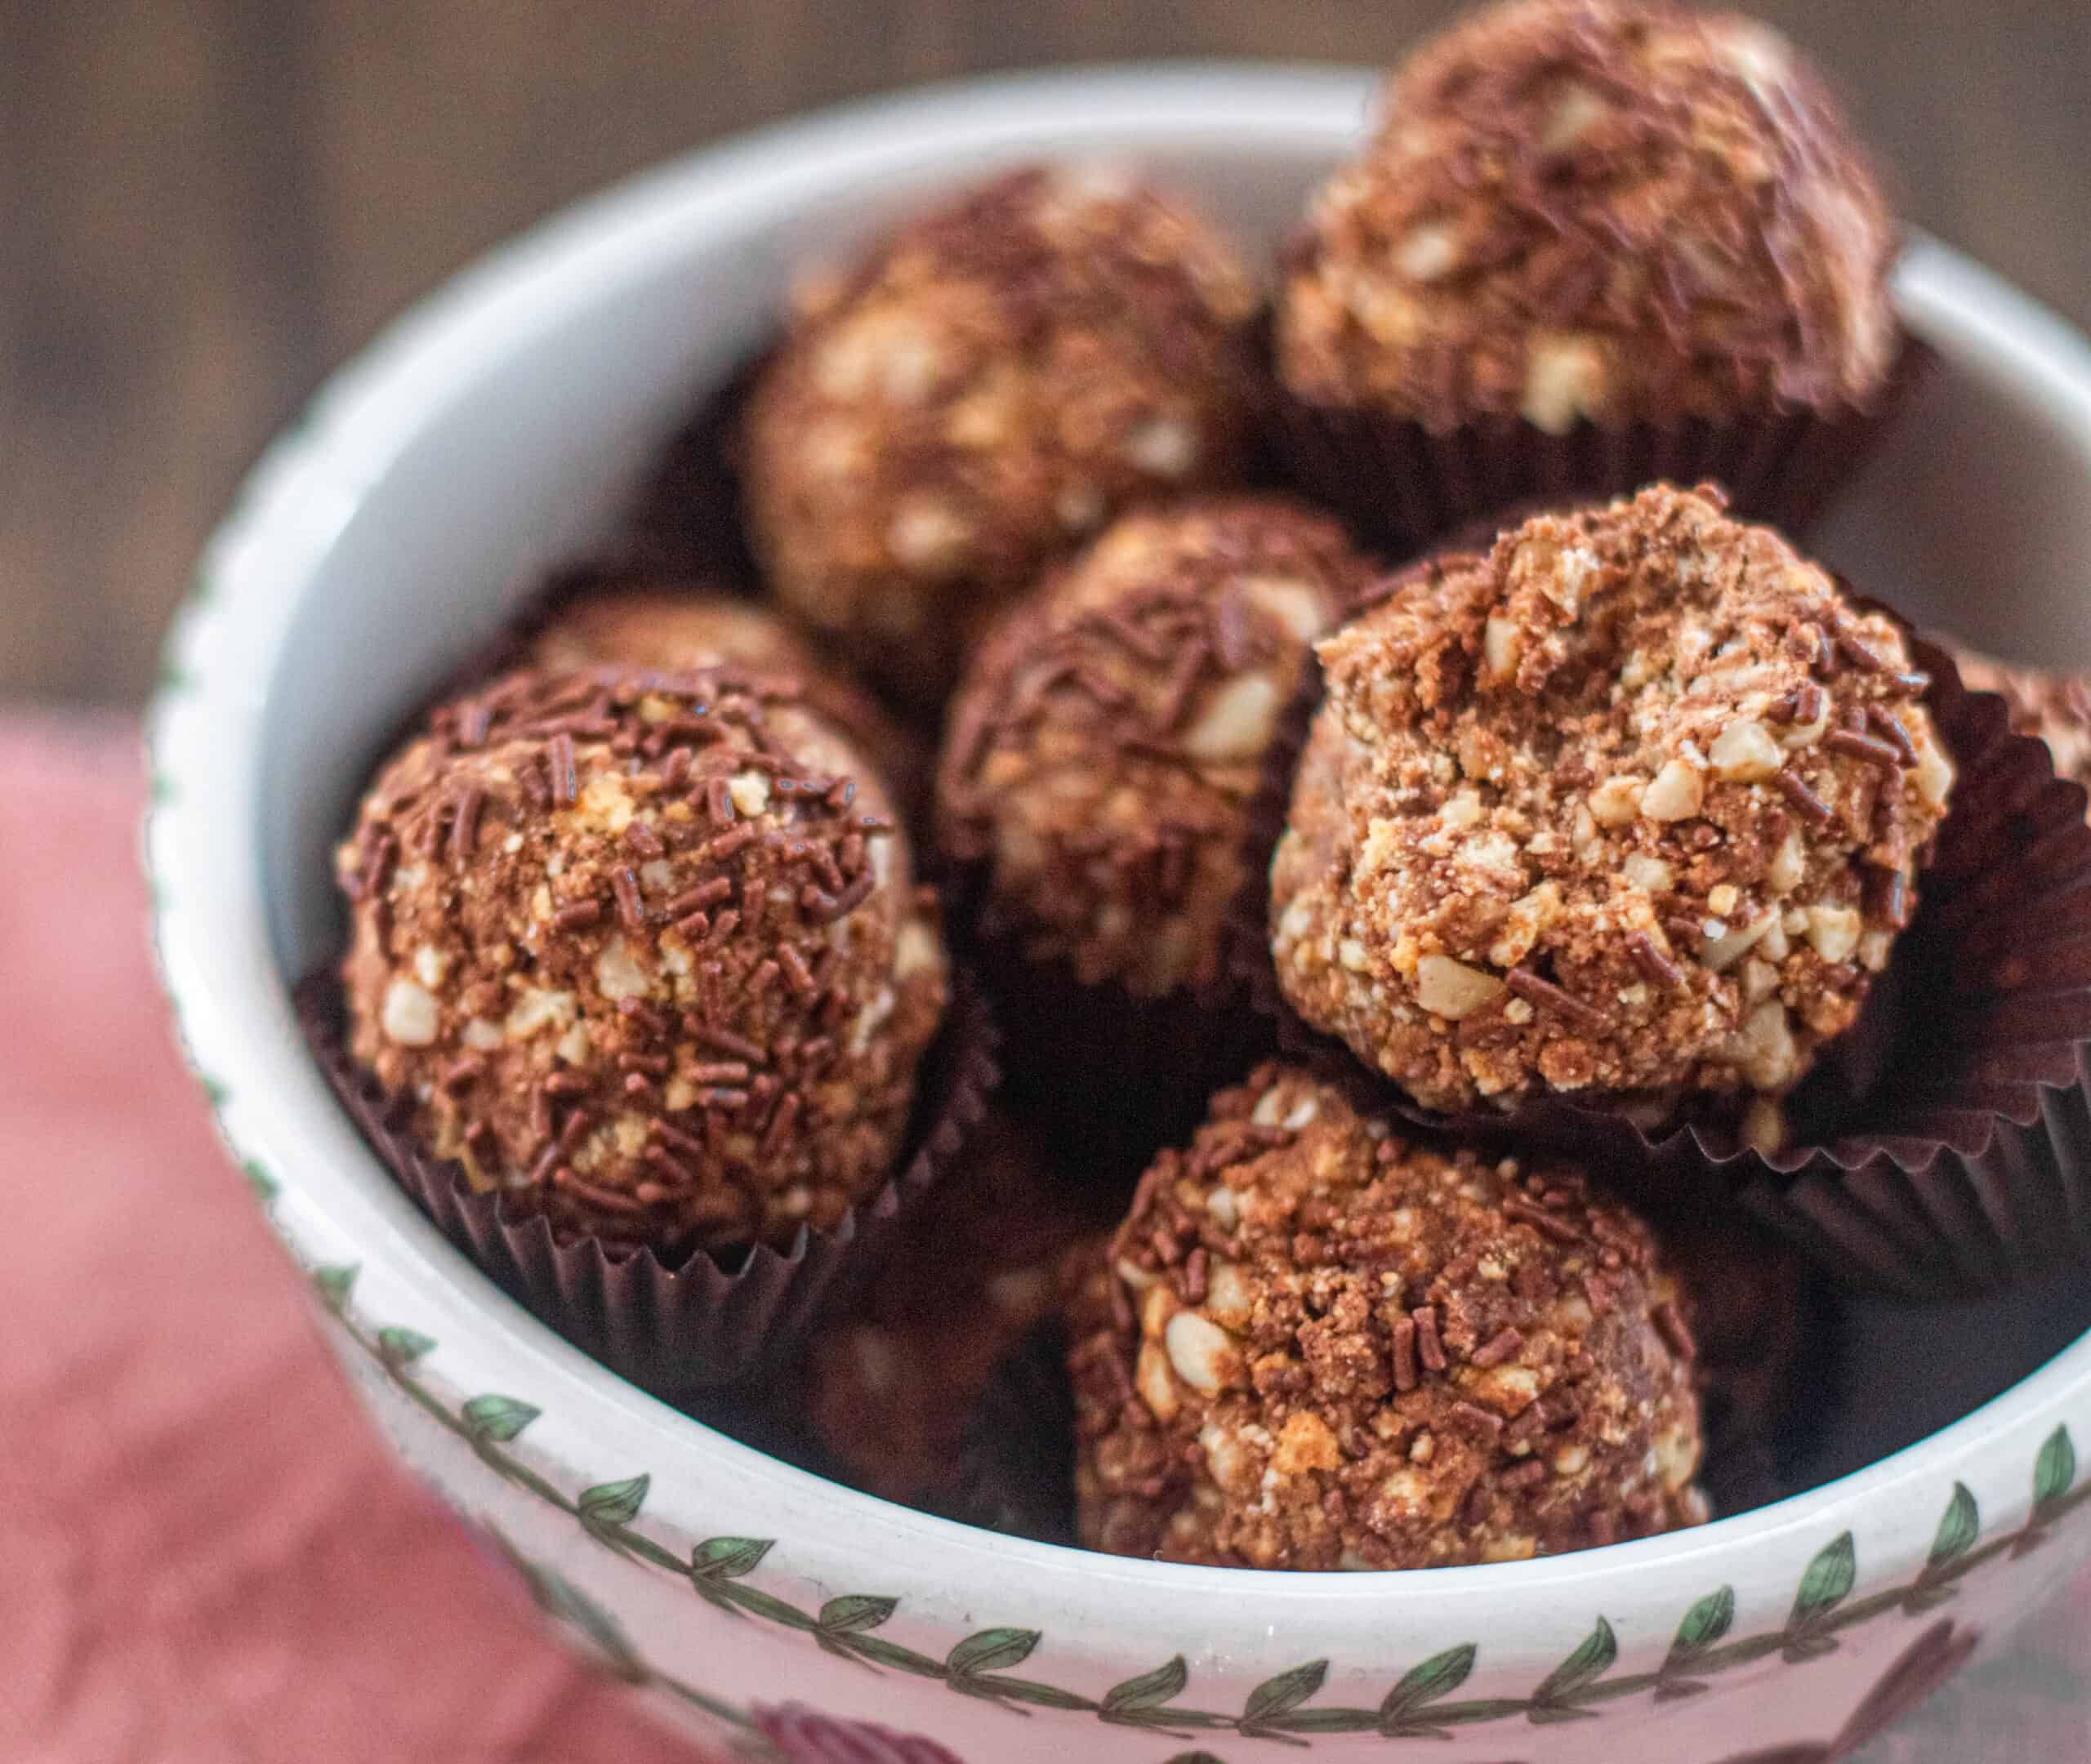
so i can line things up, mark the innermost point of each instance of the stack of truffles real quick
(1360, 746)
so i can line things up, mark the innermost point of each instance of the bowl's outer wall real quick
(495, 430)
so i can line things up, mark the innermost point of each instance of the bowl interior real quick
(511, 447)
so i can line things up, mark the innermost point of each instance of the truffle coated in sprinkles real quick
(983, 391)
(551, 1003)
(1595, 209)
(1103, 751)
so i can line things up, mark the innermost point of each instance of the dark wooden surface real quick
(204, 203)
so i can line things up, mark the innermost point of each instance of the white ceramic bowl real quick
(496, 429)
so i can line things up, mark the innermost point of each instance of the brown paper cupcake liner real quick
(677, 1329)
(1944, 1152)
(1967, 1167)
(1403, 487)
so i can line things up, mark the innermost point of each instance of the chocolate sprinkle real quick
(1810, 806)
(565, 784)
(1869, 748)
(1547, 995)
(1498, 1348)
(1653, 962)
(1430, 1346)
(631, 910)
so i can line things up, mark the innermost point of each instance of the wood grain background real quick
(205, 203)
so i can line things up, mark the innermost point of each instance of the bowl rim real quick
(203, 851)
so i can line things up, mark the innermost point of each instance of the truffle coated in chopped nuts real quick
(1103, 749)
(1315, 1345)
(673, 627)
(893, 1388)
(2054, 707)
(1601, 209)
(990, 384)
(645, 952)
(1633, 805)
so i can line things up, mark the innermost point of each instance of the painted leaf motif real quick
(855, 1612)
(1482, 1709)
(1593, 1658)
(1281, 1694)
(1958, 1529)
(760, 1603)
(1704, 1625)
(1554, 1714)
(1437, 1677)
(263, 1184)
(728, 1558)
(1150, 1689)
(615, 1502)
(1325, 1721)
(1827, 1582)
(876, 1651)
(336, 1283)
(403, 1346)
(991, 1651)
(496, 1418)
(217, 1095)
(1028, 1691)
(2055, 1469)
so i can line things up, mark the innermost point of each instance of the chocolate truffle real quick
(1317, 1345)
(1633, 805)
(894, 1390)
(643, 951)
(1109, 735)
(1591, 209)
(2055, 708)
(668, 626)
(985, 389)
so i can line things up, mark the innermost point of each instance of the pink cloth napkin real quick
(207, 1556)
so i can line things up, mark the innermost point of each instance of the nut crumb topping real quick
(644, 951)
(1104, 747)
(1315, 1345)
(1633, 804)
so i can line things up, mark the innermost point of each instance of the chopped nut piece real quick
(1677, 793)
(1451, 989)
(1745, 753)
